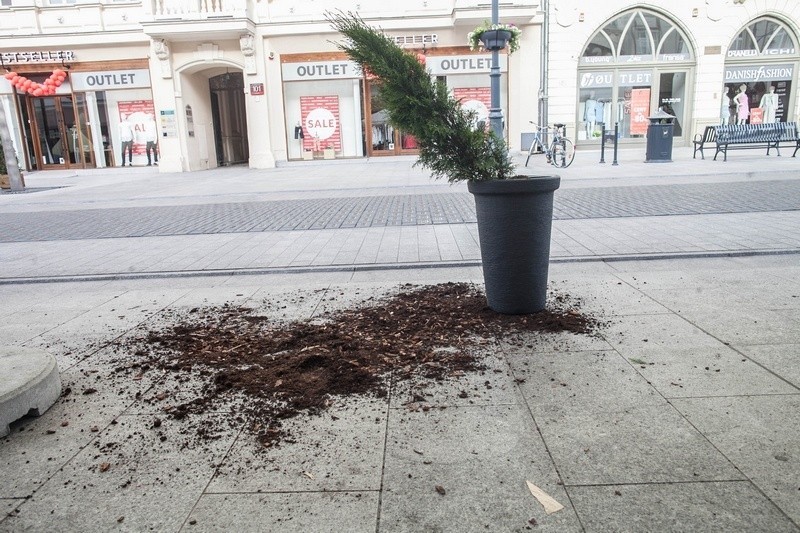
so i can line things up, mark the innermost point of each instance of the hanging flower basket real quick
(494, 37)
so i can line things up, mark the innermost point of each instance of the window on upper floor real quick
(60, 2)
(5, 3)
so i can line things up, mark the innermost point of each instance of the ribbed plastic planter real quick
(514, 222)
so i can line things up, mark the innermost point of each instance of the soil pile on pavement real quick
(283, 369)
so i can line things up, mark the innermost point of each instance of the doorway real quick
(229, 118)
(60, 135)
(382, 138)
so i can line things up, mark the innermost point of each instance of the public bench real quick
(708, 136)
(745, 136)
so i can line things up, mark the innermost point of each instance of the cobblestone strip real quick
(387, 211)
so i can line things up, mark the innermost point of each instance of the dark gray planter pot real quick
(514, 222)
(495, 39)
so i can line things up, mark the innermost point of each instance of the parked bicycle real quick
(559, 153)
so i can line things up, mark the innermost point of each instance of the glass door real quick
(62, 137)
(382, 138)
(672, 98)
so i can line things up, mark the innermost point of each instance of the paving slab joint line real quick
(380, 266)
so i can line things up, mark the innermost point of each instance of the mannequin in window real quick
(725, 107)
(769, 103)
(742, 104)
(590, 114)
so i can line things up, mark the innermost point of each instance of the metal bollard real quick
(616, 141)
(603, 145)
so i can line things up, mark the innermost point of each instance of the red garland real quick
(35, 88)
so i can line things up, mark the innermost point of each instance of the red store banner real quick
(640, 111)
(139, 113)
(320, 116)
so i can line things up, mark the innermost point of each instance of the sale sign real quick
(640, 110)
(139, 114)
(477, 99)
(756, 115)
(320, 116)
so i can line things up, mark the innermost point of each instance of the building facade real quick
(205, 83)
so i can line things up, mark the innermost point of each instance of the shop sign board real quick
(320, 70)
(756, 73)
(110, 79)
(466, 64)
(631, 78)
(38, 56)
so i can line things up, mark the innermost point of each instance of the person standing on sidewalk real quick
(151, 138)
(126, 138)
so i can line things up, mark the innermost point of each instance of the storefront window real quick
(628, 71)
(760, 63)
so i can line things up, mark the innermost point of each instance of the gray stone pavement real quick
(682, 414)
(381, 213)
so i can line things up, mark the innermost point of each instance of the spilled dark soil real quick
(278, 370)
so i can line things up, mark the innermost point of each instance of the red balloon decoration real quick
(34, 88)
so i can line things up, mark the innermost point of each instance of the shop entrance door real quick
(60, 134)
(229, 118)
(382, 138)
(672, 98)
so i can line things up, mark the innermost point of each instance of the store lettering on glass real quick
(635, 78)
(769, 52)
(597, 79)
(324, 69)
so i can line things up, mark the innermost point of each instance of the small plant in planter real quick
(514, 211)
(478, 37)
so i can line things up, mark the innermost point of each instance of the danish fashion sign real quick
(320, 122)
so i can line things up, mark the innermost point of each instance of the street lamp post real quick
(495, 113)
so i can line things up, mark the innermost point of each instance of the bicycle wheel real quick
(563, 153)
(536, 148)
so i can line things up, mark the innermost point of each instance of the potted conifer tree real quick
(514, 210)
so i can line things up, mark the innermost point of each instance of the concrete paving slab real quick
(707, 371)
(7, 505)
(39, 447)
(606, 295)
(760, 435)
(556, 384)
(646, 444)
(757, 326)
(700, 507)
(341, 450)
(296, 512)
(638, 336)
(147, 485)
(781, 359)
(470, 452)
